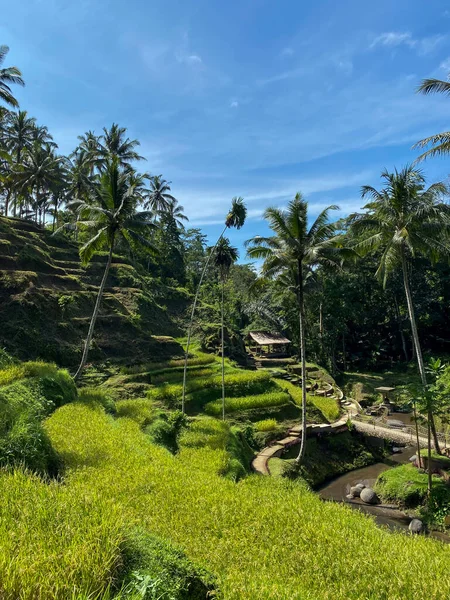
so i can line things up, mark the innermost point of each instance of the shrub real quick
(407, 485)
(5, 359)
(165, 430)
(154, 569)
(266, 425)
(248, 403)
(23, 405)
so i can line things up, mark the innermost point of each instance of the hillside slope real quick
(47, 298)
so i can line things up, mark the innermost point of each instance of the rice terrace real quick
(224, 301)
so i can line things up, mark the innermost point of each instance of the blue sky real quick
(245, 97)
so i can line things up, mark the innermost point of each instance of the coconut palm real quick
(111, 215)
(114, 145)
(224, 256)
(402, 220)
(292, 253)
(235, 218)
(175, 212)
(8, 76)
(159, 198)
(80, 178)
(19, 132)
(89, 148)
(440, 142)
(38, 173)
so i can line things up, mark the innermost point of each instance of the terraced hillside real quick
(47, 297)
(257, 398)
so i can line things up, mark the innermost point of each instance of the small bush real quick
(38, 390)
(266, 425)
(248, 403)
(5, 359)
(154, 569)
(165, 430)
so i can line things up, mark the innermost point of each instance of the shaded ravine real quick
(389, 516)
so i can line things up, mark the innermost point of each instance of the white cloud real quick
(393, 39)
(193, 59)
(234, 104)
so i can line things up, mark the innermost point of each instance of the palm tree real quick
(80, 179)
(175, 212)
(402, 220)
(19, 134)
(89, 147)
(440, 142)
(292, 253)
(8, 76)
(111, 214)
(159, 198)
(225, 255)
(114, 145)
(38, 173)
(235, 218)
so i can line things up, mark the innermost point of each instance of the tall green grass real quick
(237, 383)
(327, 406)
(267, 400)
(200, 358)
(263, 538)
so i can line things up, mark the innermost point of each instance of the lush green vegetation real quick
(116, 476)
(29, 392)
(248, 402)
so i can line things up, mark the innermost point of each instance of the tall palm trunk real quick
(223, 353)
(95, 313)
(301, 322)
(400, 328)
(417, 434)
(430, 477)
(417, 347)
(191, 320)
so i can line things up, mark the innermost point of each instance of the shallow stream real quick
(388, 515)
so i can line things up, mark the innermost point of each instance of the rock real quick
(413, 458)
(361, 486)
(355, 491)
(416, 526)
(349, 496)
(368, 496)
(396, 450)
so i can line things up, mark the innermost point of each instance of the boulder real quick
(361, 486)
(413, 458)
(416, 526)
(368, 496)
(355, 491)
(397, 450)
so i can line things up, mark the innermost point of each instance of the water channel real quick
(386, 515)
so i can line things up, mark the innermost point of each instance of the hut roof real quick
(266, 338)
